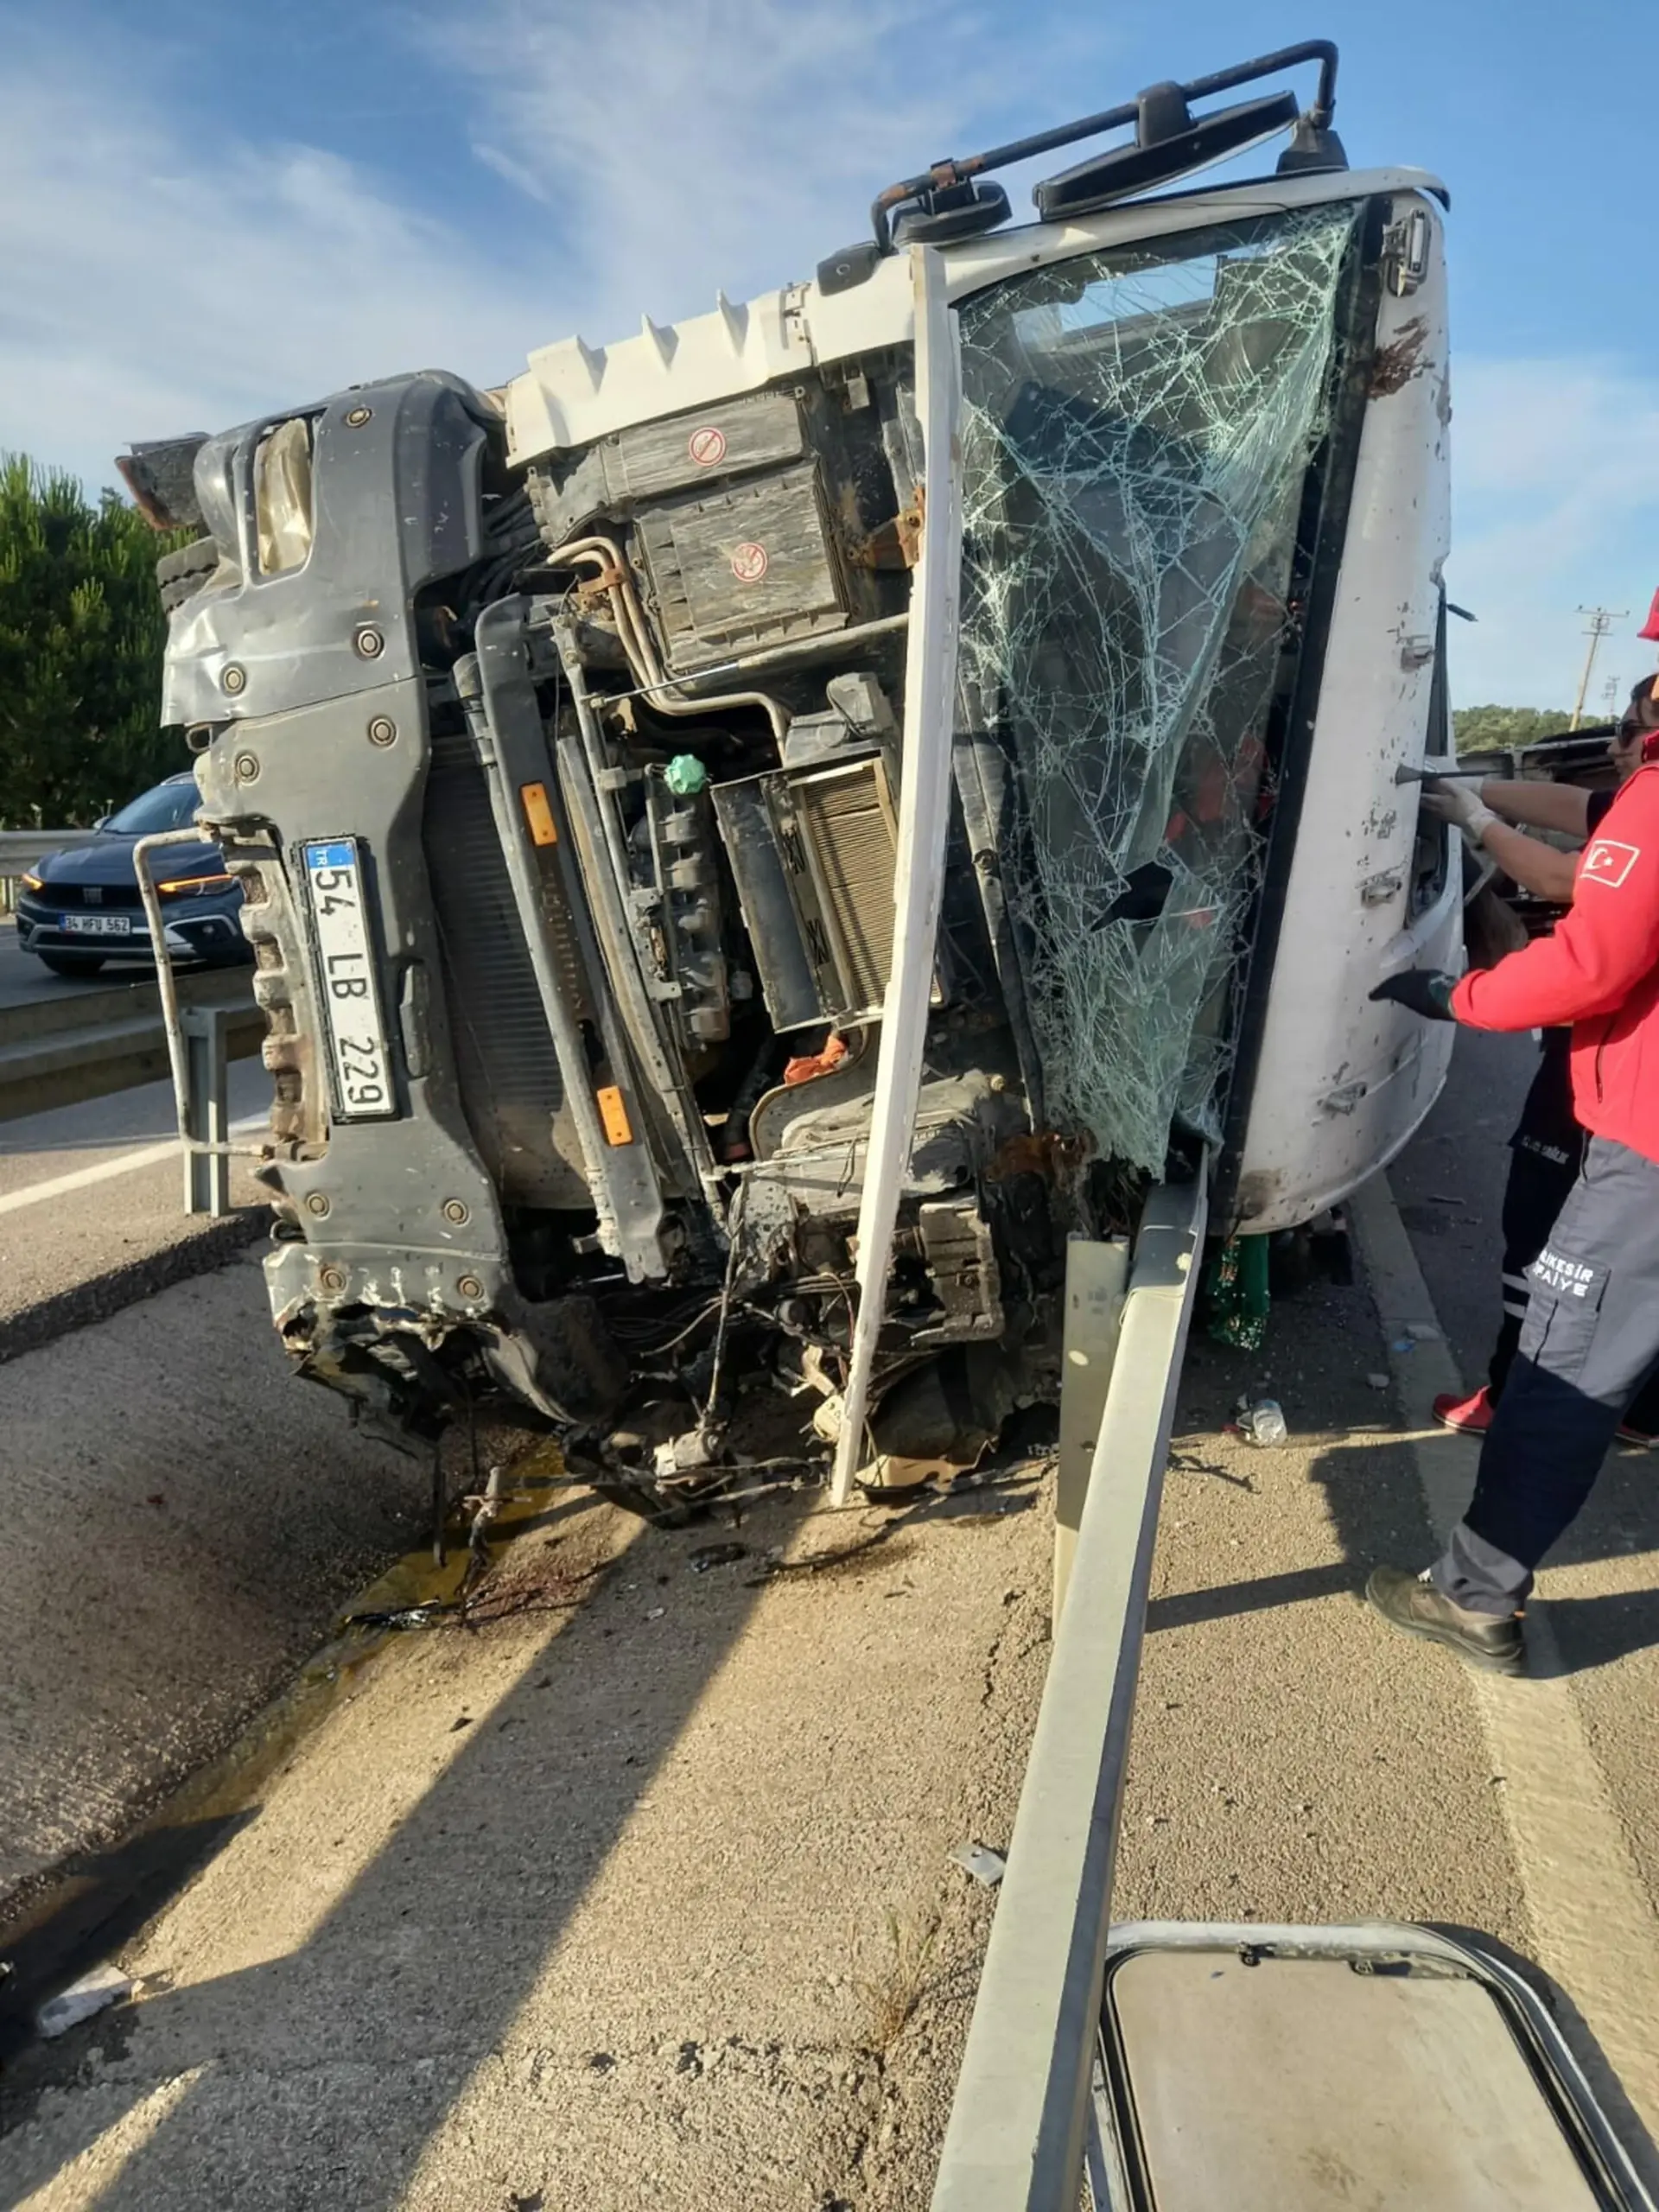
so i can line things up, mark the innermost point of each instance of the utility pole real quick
(1610, 691)
(1602, 619)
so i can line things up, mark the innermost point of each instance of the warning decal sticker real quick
(707, 446)
(749, 562)
(1609, 863)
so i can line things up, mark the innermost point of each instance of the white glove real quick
(1462, 804)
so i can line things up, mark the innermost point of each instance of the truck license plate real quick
(357, 1037)
(97, 926)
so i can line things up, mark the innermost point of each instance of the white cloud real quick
(161, 276)
(153, 284)
(158, 277)
(682, 145)
(1555, 472)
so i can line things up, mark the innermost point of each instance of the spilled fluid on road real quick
(98, 1900)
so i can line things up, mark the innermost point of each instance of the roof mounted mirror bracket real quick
(945, 202)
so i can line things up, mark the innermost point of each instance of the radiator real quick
(508, 1072)
(813, 853)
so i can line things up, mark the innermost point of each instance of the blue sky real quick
(208, 208)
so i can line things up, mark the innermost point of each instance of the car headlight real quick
(194, 887)
(33, 882)
(282, 497)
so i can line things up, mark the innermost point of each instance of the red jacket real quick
(1599, 970)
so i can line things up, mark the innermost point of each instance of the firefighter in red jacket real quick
(1591, 1332)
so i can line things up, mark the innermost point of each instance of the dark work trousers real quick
(1539, 1186)
(1545, 1155)
(1589, 1340)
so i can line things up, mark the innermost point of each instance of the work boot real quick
(1412, 1601)
(1473, 1416)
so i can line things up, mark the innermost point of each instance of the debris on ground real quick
(1261, 1422)
(1235, 1294)
(712, 1555)
(93, 1994)
(987, 1866)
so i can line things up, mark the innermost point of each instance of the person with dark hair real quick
(1590, 1336)
(1548, 1146)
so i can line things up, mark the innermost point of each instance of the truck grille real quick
(511, 1088)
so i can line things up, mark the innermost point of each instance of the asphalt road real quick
(91, 1196)
(91, 1206)
(23, 978)
(644, 1890)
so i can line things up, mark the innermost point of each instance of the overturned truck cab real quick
(754, 834)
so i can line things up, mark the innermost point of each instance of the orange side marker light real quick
(539, 815)
(614, 1115)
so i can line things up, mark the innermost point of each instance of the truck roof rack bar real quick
(1159, 113)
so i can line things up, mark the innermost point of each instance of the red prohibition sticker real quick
(749, 562)
(707, 446)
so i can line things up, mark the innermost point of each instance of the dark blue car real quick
(80, 908)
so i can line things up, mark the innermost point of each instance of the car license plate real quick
(97, 925)
(357, 1037)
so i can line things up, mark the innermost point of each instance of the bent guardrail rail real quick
(1019, 2121)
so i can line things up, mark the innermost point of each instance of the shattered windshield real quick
(1137, 430)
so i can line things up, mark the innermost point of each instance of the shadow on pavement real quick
(1597, 1631)
(1189, 1608)
(98, 1901)
(324, 2072)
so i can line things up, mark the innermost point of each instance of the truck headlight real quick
(282, 497)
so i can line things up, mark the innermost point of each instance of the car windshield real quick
(169, 806)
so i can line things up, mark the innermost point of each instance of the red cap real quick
(1650, 627)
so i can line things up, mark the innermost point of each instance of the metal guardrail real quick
(1020, 2116)
(21, 849)
(86, 1043)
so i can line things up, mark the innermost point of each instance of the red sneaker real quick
(1642, 1441)
(1472, 1415)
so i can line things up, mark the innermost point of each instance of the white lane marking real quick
(1593, 1922)
(104, 1171)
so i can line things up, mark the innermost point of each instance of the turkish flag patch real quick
(1609, 863)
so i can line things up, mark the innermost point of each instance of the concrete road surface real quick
(91, 1207)
(91, 1197)
(643, 1891)
(22, 977)
(182, 1516)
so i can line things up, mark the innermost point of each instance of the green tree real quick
(1478, 728)
(81, 638)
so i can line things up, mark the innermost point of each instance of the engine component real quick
(744, 570)
(681, 839)
(738, 434)
(962, 1266)
(812, 855)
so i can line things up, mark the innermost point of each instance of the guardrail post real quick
(1096, 1283)
(207, 1111)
